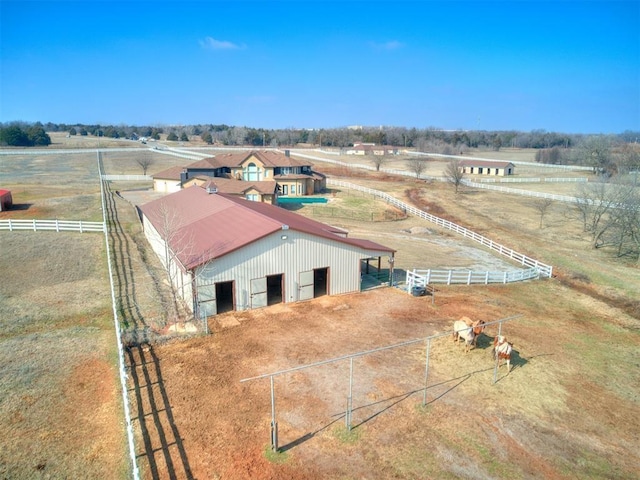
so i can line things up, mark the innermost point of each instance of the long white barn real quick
(226, 253)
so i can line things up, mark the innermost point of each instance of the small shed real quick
(487, 167)
(6, 202)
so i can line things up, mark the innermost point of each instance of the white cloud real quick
(390, 45)
(211, 43)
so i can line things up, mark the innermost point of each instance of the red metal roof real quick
(202, 226)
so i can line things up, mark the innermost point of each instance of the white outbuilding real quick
(226, 253)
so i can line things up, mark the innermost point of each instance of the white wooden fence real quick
(542, 269)
(52, 225)
(422, 278)
(127, 178)
(535, 180)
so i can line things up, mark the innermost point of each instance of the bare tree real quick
(542, 205)
(176, 245)
(378, 161)
(454, 173)
(417, 165)
(145, 162)
(595, 200)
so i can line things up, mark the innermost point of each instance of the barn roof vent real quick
(285, 227)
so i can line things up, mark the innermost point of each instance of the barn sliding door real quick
(306, 285)
(207, 300)
(259, 292)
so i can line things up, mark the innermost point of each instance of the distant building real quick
(271, 173)
(486, 167)
(371, 149)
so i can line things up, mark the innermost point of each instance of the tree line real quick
(607, 154)
(17, 136)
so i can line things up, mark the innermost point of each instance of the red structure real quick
(6, 202)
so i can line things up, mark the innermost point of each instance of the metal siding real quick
(258, 292)
(297, 253)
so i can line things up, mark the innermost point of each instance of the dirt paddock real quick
(545, 419)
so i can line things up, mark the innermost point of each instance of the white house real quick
(227, 253)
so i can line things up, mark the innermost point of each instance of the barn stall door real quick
(259, 292)
(306, 285)
(207, 300)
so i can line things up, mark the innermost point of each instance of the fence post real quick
(274, 424)
(10, 226)
(347, 417)
(34, 225)
(426, 373)
(495, 368)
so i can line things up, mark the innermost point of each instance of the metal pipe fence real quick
(52, 225)
(348, 414)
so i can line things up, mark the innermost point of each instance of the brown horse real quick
(478, 327)
(502, 350)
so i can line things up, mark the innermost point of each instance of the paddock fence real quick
(543, 269)
(135, 473)
(422, 278)
(349, 400)
(127, 178)
(468, 183)
(52, 225)
(535, 180)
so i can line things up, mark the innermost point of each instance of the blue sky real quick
(564, 66)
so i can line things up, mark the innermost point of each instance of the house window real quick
(285, 189)
(252, 197)
(480, 170)
(293, 189)
(251, 173)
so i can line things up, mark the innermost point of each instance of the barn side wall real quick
(299, 252)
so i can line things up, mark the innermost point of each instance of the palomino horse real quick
(478, 327)
(502, 350)
(464, 331)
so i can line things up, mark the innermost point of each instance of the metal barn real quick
(226, 253)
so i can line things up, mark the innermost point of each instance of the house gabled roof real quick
(238, 187)
(171, 173)
(207, 163)
(269, 158)
(201, 226)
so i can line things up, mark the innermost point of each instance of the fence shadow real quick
(163, 452)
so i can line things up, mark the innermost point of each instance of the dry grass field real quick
(568, 409)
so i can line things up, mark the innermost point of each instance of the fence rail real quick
(135, 472)
(422, 278)
(52, 225)
(543, 269)
(535, 180)
(127, 177)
